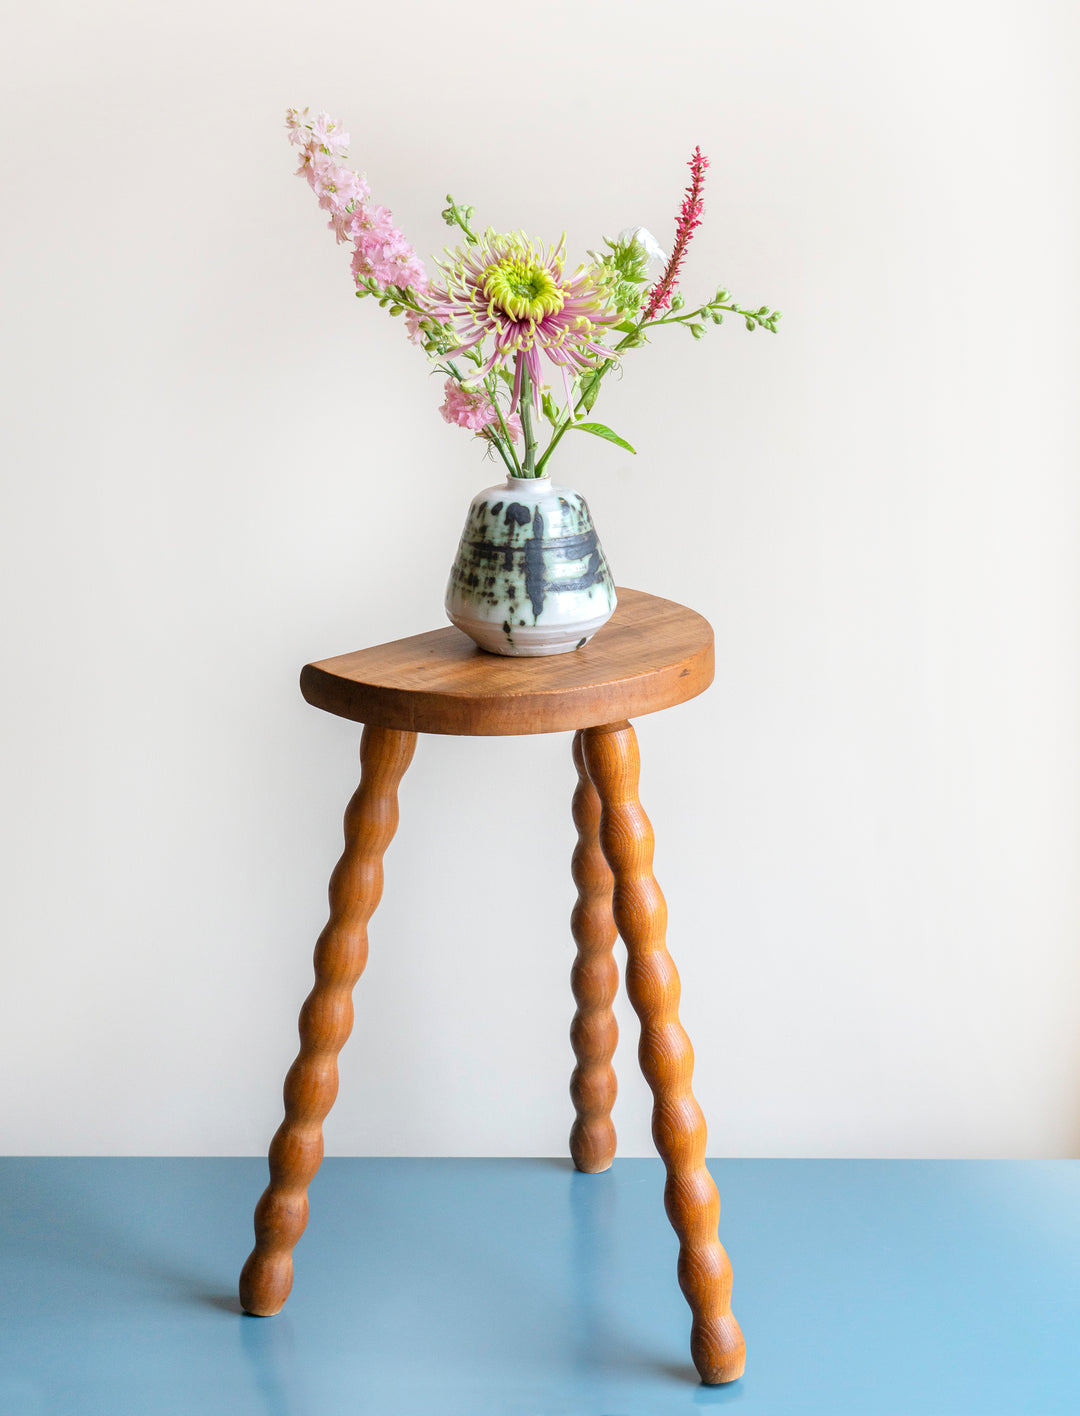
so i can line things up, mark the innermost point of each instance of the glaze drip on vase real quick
(530, 575)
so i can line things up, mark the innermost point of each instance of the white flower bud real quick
(645, 239)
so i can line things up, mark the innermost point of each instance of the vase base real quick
(529, 640)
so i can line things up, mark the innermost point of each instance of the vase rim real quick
(544, 477)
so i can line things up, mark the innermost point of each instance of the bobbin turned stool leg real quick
(325, 1020)
(667, 1059)
(594, 979)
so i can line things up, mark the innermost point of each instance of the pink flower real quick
(400, 265)
(412, 324)
(328, 133)
(339, 189)
(472, 408)
(296, 120)
(372, 224)
(381, 252)
(323, 132)
(687, 222)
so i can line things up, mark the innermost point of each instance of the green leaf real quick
(551, 413)
(590, 390)
(600, 431)
(627, 327)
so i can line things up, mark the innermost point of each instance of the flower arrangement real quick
(502, 306)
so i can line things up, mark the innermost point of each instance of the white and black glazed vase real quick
(530, 576)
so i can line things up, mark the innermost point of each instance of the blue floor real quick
(519, 1288)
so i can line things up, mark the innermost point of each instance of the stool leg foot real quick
(667, 1059)
(325, 1020)
(594, 979)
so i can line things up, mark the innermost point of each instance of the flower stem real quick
(514, 468)
(571, 413)
(529, 468)
(494, 438)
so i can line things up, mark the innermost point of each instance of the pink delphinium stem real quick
(687, 222)
(380, 251)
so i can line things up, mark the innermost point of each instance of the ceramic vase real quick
(529, 577)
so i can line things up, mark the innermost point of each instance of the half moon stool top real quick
(652, 654)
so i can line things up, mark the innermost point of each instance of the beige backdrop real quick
(221, 465)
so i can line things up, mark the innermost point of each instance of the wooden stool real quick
(652, 654)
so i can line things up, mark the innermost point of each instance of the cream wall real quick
(220, 466)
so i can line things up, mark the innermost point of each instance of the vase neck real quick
(512, 481)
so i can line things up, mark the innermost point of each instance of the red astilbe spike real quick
(688, 220)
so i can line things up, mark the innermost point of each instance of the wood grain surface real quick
(325, 1020)
(667, 1060)
(594, 979)
(652, 654)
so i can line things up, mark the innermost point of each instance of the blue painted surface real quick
(519, 1288)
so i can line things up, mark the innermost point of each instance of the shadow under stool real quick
(651, 655)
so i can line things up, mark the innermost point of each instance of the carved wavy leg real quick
(667, 1059)
(325, 1020)
(594, 979)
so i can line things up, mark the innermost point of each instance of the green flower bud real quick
(698, 331)
(397, 309)
(678, 300)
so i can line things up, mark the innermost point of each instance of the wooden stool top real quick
(651, 654)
